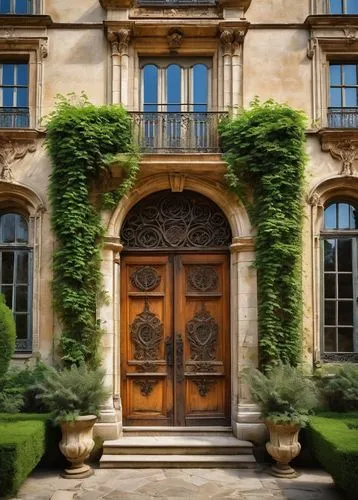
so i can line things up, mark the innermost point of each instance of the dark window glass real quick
(345, 312)
(345, 286)
(343, 7)
(330, 312)
(345, 255)
(340, 216)
(14, 95)
(7, 267)
(345, 340)
(330, 255)
(16, 6)
(330, 285)
(352, 7)
(330, 340)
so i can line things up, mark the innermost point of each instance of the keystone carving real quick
(231, 39)
(9, 152)
(119, 41)
(175, 38)
(177, 182)
(346, 151)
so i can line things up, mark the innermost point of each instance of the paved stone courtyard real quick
(172, 484)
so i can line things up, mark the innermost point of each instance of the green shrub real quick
(22, 444)
(17, 391)
(7, 336)
(336, 447)
(73, 392)
(265, 149)
(341, 390)
(284, 394)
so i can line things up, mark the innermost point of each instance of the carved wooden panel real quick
(145, 278)
(203, 278)
(147, 334)
(202, 334)
(175, 220)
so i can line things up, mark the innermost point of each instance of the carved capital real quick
(346, 151)
(311, 48)
(175, 38)
(119, 41)
(227, 39)
(10, 151)
(315, 200)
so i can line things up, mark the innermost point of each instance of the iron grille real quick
(14, 117)
(343, 117)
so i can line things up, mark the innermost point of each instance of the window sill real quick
(21, 20)
(22, 355)
(323, 20)
(21, 134)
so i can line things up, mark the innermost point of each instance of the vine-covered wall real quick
(83, 140)
(265, 149)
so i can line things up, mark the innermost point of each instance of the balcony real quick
(343, 117)
(177, 132)
(14, 118)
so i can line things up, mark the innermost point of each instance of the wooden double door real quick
(175, 339)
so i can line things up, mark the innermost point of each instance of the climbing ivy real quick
(83, 140)
(265, 149)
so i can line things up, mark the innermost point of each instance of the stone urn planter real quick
(76, 445)
(283, 447)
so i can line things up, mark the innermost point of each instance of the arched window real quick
(16, 275)
(340, 291)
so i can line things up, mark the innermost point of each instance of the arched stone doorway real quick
(175, 312)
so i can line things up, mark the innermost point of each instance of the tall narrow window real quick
(339, 261)
(20, 7)
(14, 95)
(343, 110)
(15, 274)
(343, 7)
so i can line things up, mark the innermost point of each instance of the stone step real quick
(177, 445)
(177, 461)
(177, 431)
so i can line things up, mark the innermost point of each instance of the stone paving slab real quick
(179, 484)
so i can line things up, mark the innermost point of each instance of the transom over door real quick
(175, 342)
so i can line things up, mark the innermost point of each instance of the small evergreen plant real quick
(7, 336)
(73, 392)
(284, 394)
(341, 390)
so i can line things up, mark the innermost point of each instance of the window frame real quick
(14, 118)
(35, 8)
(339, 234)
(17, 248)
(343, 8)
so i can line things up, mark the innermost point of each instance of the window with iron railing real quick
(339, 284)
(16, 275)
(175, 113)
(19, 7)
(14, 95)
(343, 95)
(336, 7)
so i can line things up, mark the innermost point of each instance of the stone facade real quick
(278, 49)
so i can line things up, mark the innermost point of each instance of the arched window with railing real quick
(16, 274)
(339, 284)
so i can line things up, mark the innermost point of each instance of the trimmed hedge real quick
(22, 444)
(334, 438)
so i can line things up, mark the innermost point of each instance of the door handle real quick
(169, 351)
(179, 358)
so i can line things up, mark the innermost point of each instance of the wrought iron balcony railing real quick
(23, 345)
(169, 3)
(19, 7)
(343, 117)
(177, 131)
(14, 117)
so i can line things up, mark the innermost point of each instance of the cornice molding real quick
(242, 5)
(25, 21)
(328, 20)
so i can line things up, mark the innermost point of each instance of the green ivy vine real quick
(265, 149)
(83, 140)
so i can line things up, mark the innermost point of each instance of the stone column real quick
(109, 425)
(119, 45)
(237, 68)
(227, 39)
(245, 414)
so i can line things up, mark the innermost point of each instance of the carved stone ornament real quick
(202, 334)
(146, 386)
(204, 384)
(177, 182)
(311, 48)
(146, 334)
(350, 35)
(183, 12)
(346, 151)
(315, 200)
(10, 151)
(203, 278)
(231, 39)
(119, 41)
(145, 278)
(175, 38)
(44, 49)
(175, 220)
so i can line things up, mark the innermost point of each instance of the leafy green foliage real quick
(264, 147)
(335, 443)
(83, 140)
(73, 392)
(17, 389)
(22, 444)
(341, 390)
(285, 394)
(7, 336)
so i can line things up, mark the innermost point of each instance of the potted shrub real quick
(74, 396)
(285, 396)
